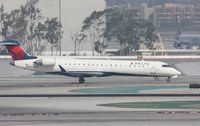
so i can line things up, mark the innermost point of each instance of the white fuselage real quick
(99, 66)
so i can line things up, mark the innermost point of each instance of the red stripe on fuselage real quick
(16, 52)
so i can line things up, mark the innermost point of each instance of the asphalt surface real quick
(106, 119)
(84, 111)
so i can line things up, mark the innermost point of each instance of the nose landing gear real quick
(168, 79)
(156, 78)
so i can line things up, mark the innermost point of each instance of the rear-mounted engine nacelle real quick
(45, 62)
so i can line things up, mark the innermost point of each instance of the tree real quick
(28, 26)
(2, 17)
(32, 16)
(77, 38)
(39, 36)
(17, 24)
(53, 32)
(121, 25)
(99, 47)
(94, 29)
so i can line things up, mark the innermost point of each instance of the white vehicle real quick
(82, 68)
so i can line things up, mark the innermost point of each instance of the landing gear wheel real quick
(81, 80)
(168, 79)
(156, 78)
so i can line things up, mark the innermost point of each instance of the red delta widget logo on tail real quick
(16, 51)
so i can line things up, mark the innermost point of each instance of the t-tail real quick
(177, 43)
(16, 51)
(178, 28)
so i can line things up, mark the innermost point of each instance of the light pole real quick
(60, 28)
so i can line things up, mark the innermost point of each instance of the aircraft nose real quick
(177, 72)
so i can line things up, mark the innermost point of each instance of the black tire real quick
(81, 80)
(169, 80)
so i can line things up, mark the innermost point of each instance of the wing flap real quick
(82, 73)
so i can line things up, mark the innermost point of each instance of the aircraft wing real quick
(83, 73)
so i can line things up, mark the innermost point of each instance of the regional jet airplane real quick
(82, 68)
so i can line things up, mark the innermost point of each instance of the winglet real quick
(62, 69)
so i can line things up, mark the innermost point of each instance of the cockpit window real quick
(166, 66)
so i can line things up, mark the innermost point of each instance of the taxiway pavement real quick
(85, 111)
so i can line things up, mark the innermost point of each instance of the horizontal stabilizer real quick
(9, 43)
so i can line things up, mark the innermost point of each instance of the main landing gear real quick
(156, 78)
(168, 79)
(81, 80)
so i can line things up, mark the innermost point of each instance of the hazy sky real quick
(73, 13)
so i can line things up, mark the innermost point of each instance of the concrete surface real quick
(85, 111)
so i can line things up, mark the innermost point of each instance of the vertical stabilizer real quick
(178, 26)
(16, 51)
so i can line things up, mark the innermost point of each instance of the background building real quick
(163, 14)
(150, 3)
(167, 15)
